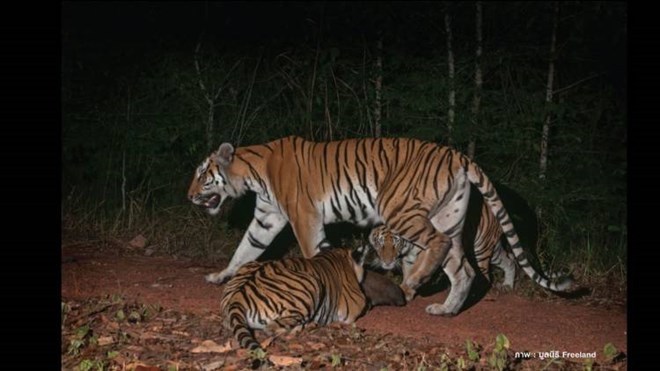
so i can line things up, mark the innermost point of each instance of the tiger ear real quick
(225, 154)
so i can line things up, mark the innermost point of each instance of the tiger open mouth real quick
(212, 202)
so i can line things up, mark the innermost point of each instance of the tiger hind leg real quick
(461, 275)
(285, 323)
(503, 259)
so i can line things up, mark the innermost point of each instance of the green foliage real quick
(65, 310)
(87, 365)
(335, 360)
(82, 338)
(445, 362)
(258, 354)
(611, 352)
(501, 343)
(588, 364)
(498, 359)
(461, 363)
(473, 353)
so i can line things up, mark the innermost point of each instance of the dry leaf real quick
(295, 347)
(213, 366)
(266, 343)
(138, 242)
(138, 366)
(285, 360)
(135, 348)
(146, 368)
(210, 346)
(315, 346)
(148, 335)
(105, 340)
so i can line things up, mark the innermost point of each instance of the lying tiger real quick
(287, 294)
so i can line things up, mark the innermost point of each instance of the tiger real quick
(418, 189)
(281, 295)
(393, 250)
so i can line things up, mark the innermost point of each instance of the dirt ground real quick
(177, 311)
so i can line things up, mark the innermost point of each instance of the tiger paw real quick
(439, 310)
(218, 278)
(408, 292)
(503, 288)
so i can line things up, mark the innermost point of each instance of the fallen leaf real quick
(146, 368)
(266, 343)
(138, 241)
(295, 347)
(146, 335)
(139, 366)
(315, 346)
(210, 346)
(284, 360)
(105, 340)
(213, 366)
(135, 348)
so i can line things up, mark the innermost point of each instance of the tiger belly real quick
(355, 208)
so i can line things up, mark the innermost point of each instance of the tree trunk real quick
(478, 82)
(210, 99)
(543, 162)
(378, 104)
(452, 92)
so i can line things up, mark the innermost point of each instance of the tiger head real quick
(388, 246)
(215, 180)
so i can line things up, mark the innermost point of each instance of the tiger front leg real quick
(310, 234)
(420, 271)
(257, 238)
(436, 244)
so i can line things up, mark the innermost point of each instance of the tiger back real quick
(287, 294)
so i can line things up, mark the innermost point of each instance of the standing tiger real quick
(287, 294)
(393, 250)
(419, 189)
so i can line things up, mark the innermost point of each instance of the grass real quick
(174, 231)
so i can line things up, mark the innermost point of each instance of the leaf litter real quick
(157, 338)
